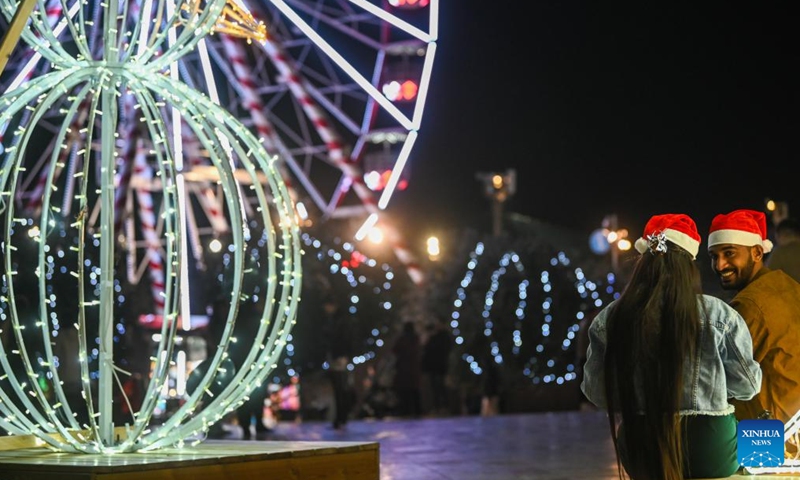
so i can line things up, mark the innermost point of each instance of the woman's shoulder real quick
(712, 301)
(598, 322)
(718, 311)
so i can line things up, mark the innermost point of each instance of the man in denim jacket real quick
(769, 301)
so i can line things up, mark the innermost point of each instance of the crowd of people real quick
(677, 369)
(419, 364)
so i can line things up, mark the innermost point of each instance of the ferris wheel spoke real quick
(351, 71)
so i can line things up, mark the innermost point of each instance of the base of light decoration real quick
(219, 460)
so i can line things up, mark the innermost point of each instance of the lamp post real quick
(498, 187)
(610, 239)
(778, 210)
(433, 248)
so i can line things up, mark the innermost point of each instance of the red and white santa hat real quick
(740, 227)
(678, 228)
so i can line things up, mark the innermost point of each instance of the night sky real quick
(650, 108)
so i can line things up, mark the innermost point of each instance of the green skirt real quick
(710, 445)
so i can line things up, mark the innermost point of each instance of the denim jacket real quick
(727, 369)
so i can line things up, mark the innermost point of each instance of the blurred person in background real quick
(340, 351)
(786, 253)
(435, 365)
(408, 371)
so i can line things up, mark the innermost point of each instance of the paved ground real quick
(542, 446)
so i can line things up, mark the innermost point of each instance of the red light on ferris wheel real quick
(377, 181)
(409, 3)
(397, 91)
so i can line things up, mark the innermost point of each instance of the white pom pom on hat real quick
(740, 227)
(679, 228)
(641, 245)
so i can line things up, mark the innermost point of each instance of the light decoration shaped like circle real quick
(133, 65)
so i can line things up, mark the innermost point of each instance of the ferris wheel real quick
(334, 88)
(337, 90)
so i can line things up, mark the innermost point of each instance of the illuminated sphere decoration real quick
(72, 243)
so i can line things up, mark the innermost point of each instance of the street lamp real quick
(610, 238)
(498, 187)
(375, 235)
(433, 248)
(779, 211)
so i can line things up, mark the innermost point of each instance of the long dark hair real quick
(651, 329)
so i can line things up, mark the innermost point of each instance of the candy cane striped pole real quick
(252, 102)
(70, 143)
(123, 203)
(53, 14)
(206, 196)
(336, 153)
(147, 216)
(129, 139)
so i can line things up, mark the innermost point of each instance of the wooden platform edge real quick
(330, 462)
(22, 442)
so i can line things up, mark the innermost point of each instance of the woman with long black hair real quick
(664, 359)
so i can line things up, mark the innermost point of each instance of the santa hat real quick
(740, 227)
(678, 228)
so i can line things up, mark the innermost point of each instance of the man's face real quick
(735, 265)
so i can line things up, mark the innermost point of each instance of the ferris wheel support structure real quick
(318, 102)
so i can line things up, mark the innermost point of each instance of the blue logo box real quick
(760, 443)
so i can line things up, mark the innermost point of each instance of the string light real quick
(551, 335)
(368, 280)
(81, 84)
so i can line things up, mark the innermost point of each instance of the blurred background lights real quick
(215, 245)
(433, 247)
(375, 235)
(409, 3)
(397, 91)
